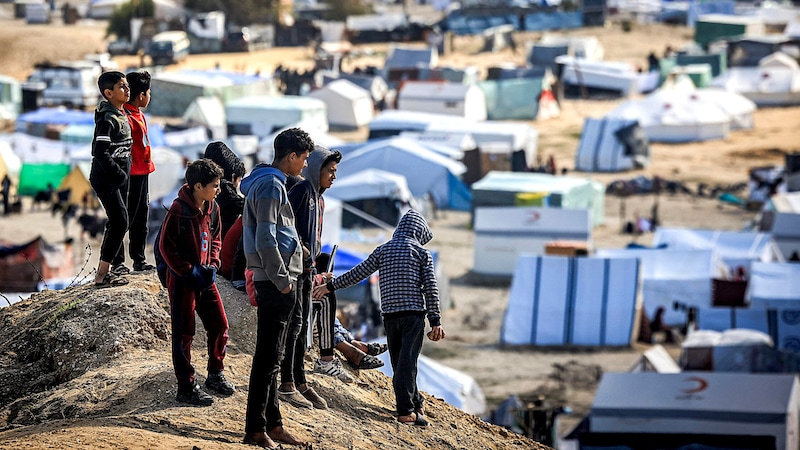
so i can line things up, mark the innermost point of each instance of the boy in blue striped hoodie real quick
(408, 293)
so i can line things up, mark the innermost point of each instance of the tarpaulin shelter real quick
(23, 266)
(612, 145)
(36, 177)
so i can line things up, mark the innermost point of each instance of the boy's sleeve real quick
(216, 238)
(299, 199)
(100, 151)
(169, 246)
(266, 238)
(430, 290)
(360, 272)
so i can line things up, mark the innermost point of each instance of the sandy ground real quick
(473, 324)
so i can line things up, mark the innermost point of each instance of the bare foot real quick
(260, 439)
(281, 435)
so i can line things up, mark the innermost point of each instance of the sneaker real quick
(195, 396)
(295, 398)
(143, 266)
(120, 269)
(311, 395)
(334, 369)
(219, 384)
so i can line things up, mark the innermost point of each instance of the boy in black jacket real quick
(111, 165)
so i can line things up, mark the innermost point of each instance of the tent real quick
(349, 106)
(732, 248)
(602, 76)
(169, 173)
(405, 57)
(502, 234)
(786, 234)
(36, 177)
(462, 100)
(10, 97)
(77, 182)
(10, 164)
(38, 122)
(695, 410)
(670, 276)
(453, 386)
(572, 301)
(266, 149)
(509, 188)
(262, 115)
(208, 112)
(775, 82)
(23, 266)
(612, 145)
(373, 191)
(655, 359)
(427, 173)
(774, 285)
(514, 99)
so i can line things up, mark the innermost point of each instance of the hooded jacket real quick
(271, 244)
(141, 161)
(407, 279)
(184, 247)
(308, 204)
(111, 148)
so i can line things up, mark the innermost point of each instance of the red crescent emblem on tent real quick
(533, 216)
(701, 385)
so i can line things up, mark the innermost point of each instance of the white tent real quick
(655, 359)
(208, 112)
(348, 105)
(758, 410)
(262, 115)
(169, 173)
(502, 234)
(616, 76)
(732, 248)
(774, 285)
(786, 234)
(576, 301)
(266, 146)
(428, 173)
(669, 276)
(406, 57)
(451, 385)
(371, 183)
(602, 150)
(462, 100)
(775, 82)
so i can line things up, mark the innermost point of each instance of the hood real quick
(314, 165)
(103, 108)
(413, 225)
(185, 195)
(260, 171)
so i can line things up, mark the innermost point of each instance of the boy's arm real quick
(169, 245)
(101, 152)
(266, 239)
(216, 237)
(299, 198)
(360, 272)
(430, 290)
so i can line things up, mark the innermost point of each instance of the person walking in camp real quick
(190, 244)
(275, 256)
(408, 293)
(141, 168)
(306, 199)
(111, 164)
(6, 194)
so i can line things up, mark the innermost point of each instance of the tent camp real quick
(502, 234)
(176, 90)
(207, 112)
(612, 145)
(695, 410)
(427, 172)
(266, 148)
(453, 386)
(539, 189)
(23, 266)
(775, 82)
(670, 276)
(44, 122)
(262, 115)
(376, 192)
(572, 301)
(455, 99)
(349, 106)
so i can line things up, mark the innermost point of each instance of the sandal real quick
(367, 362)
(418, 421)
(375, 349)
(111, 280)
(120, 269)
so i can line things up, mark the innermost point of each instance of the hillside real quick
(90, 368)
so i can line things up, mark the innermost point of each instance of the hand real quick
(210, 275)
(287, 289)
(320, 291)
(436, 334)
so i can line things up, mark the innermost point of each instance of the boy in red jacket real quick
(190, 247)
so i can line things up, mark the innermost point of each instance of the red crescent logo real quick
(533, 216)
(701, 385)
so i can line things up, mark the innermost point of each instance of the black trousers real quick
(138, 202)
(292, 369)
(115, 204)
(404, 334)
(274, 310)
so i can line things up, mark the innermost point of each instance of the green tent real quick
(35, 177)
(512, 99)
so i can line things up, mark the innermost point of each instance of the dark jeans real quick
(404, 335)
(184, 301)
(274, 311)
(138, 199)
(292, 367)
(115, 204)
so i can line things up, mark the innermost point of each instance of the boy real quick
(190, 247)
(111, 164)
(306, 200)
(275, 256)
(405, 267)
(141, 167)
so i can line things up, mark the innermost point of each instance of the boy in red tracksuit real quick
(191, 248)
